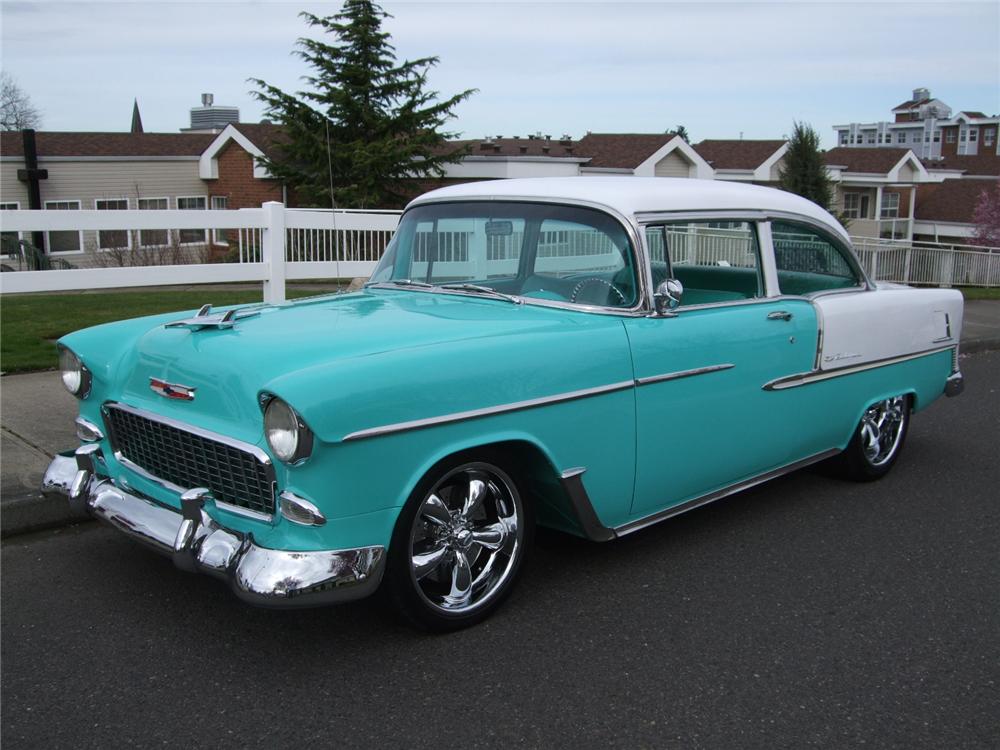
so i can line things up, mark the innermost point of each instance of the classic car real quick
(594, 354)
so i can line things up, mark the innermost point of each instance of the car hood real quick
(280, 345)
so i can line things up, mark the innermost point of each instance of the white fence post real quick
(273, 251)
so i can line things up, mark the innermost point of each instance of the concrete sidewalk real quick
(36, 422)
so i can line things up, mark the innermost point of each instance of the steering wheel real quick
(591, 280)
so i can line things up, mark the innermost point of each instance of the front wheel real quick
(458, 545)
(877, 441)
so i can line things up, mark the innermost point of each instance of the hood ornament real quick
(172, 390)
(205, 318)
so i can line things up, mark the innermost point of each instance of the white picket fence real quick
(274, 244)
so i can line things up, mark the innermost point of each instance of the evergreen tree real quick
(804, 170)
(682, 133)
(382, 126)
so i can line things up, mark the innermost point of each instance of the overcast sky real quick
(721, 69)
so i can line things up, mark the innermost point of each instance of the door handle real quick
(779, 315)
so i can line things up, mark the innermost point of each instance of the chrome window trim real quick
(257, 452)
(649, 380)
(639, 257)
(816, 375)
(419, 424)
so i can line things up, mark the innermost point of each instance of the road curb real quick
(28, 513)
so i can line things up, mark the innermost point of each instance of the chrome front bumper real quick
(198, 543)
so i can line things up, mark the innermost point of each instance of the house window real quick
(988, 136)
(937, 136)
(856, 205)
(961, 136)
(64, 241)
(916, 137)
(843, 138)
(890, 206)
(901, 137)
(871, 138)
(220, 203)
(108, 239)
(950, 136)
(195, 203)
(9, 240)
(973, 134)
(154, 237)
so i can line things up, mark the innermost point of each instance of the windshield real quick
(534, 251)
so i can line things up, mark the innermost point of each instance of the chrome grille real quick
(187, 457)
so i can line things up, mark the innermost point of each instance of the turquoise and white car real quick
(591, 354)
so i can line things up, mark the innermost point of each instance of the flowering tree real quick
(986, 217)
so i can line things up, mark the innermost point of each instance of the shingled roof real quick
(621, 150)
(980, 165)
(109, 144)
(911, 104)
(867, 160)
(951, 200)
(737, 154)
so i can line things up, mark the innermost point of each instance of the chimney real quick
(207, 100)
(919, 94)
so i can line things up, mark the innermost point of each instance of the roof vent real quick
(212, 117)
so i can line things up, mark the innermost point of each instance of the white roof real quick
(633, 195)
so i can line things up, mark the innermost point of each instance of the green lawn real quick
(31, 323)
(975, 292)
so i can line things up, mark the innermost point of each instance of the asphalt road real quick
(808, 612)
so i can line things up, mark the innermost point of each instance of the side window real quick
(807, 261)
(716, 261)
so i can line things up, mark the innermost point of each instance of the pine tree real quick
(382, 126)
(804, 171)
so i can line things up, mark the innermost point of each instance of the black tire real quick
(873, 451)
(484, 547)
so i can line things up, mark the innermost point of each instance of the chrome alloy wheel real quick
(466, 538)
(881, 429)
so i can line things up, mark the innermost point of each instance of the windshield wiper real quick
(482, 290)
(401, 282)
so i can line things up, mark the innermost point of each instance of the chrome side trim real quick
(419, 424)
(682, 374)
(697, 502)
(815, 376)
(256, 451)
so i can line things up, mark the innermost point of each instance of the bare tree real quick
(16, 110)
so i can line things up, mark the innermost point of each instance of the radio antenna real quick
(333, 204)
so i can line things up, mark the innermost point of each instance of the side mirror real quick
(668, 296)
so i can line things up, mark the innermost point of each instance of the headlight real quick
(289, 437)
(75, 376)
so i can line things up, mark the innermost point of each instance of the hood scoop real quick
(205, 318)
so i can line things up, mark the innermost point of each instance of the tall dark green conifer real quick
(382, 125)
(804, 171)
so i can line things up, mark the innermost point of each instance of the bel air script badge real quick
(171, 390)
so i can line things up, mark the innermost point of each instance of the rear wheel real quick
(878, 440)
(458, 544)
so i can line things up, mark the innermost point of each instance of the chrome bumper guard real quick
(954, 385)
(198, 543)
